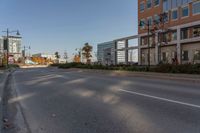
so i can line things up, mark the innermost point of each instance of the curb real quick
(3, 80)
(164, 76)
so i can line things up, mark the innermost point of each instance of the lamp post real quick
(24, 52)
(7, 43)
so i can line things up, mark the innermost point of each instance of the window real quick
(196, 7)
(156, 2)
(185, 11)
(166, 5)
(142, 7)
(164, 56)
(149, 4)
(174, 35)
(166, 18)
(196, 31)
(142, 22)
(156, 19)
(166, 37)
(149, 20)
(142, 41)
(184, 33)
(174, 14)
(185, 55)
(151, 41)
(174, 3)
(197, 55)
(185, 1)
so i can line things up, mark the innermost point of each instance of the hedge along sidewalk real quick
(3, 79)
(165, 76)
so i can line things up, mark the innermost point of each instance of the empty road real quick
(49, 100)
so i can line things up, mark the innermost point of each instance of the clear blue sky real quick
(59, 25)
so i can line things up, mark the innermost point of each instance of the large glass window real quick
(142, 23)
(174, 14)
(196, 31)
(174, 35)
(142, 41)
(164, 56)
(166, 5)
(197, 55)
(142, 6)
(184, 33)
(156, 19)
(185, 1)
(185, 56)
(156, 2)
(149, 20)
(149, 3)
(196, 7)
(185, 11)
(174, 3)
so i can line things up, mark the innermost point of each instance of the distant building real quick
(45, 55)
(105, 53)
(14, 47)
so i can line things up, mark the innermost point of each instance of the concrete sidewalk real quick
(3, 78)
(165, 76)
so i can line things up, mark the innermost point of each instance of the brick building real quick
(176, 39)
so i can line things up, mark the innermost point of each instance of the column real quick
(178, 46)
(156, 49)
(115, 53)
(126, 52)
(139, 52)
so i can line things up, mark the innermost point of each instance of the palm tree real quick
(86, 52)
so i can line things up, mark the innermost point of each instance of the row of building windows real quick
(167, 57)
(186, 33)
(184, 12)
(171, 4)
(149, 4)
(167, 4)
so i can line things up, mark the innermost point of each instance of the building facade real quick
(45, 55)
(14, 48)
(105, 53)
(118, 51)
(172, 38)
(1, 51)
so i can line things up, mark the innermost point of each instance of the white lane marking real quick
(160, 98)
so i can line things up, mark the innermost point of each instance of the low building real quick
(45, 55)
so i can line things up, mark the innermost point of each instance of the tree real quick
(77, 59)
(86, 52)
(57, 55)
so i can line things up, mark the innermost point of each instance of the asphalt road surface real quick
(49, 100)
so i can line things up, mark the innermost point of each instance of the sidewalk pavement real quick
(3, 78)
(165, 76)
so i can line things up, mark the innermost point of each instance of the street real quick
(50, 100)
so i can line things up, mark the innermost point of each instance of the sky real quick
(64, 25)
